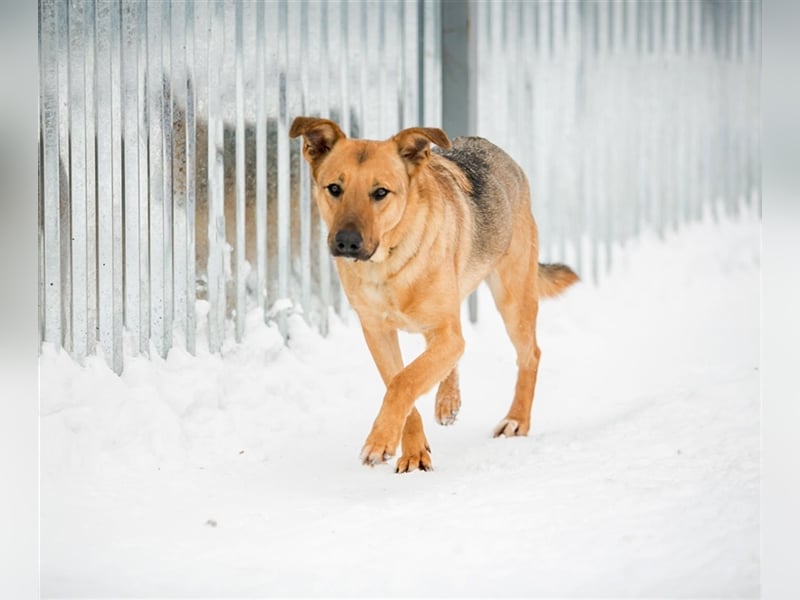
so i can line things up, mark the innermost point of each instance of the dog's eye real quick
(334, 190)
(380, 193)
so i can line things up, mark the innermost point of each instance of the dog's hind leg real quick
(513, 286)
(448, 399)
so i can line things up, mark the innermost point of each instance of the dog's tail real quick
(554, 279)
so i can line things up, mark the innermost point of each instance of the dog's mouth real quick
(361, 254)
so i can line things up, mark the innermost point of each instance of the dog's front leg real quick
(445, 345)
(385, 349)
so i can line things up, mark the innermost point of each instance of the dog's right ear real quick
(319, 136)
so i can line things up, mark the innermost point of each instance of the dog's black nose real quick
(348, 242)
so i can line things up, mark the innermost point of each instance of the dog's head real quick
(362, 186)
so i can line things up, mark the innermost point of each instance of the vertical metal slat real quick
(216, 182)
(283, 174)
(326, 68)
(179, 165)
(116, 190)
(77, 127)
(157, 235)
(90, 175)
(166, 125)
(191, 177)
(130, 102)
(240, 179)
(108, 182)
(340, 42)
(305, 196)
(261, 161)
(65, 222)
(143, 125)
(49, 57)
(362, 32)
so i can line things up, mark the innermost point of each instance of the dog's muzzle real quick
(348, 243)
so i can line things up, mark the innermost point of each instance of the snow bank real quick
(238, 475)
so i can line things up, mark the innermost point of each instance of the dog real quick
(413, 231)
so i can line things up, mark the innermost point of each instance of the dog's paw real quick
(382, 441)
(448, 402)
(372, 456)
(377, 449)
(510, 428)
(417, 460)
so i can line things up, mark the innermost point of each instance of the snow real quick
(239, 475)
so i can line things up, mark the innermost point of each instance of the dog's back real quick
(498, 190)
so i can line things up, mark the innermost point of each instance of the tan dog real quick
(413, 233)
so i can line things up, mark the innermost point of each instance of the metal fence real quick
(172, 200)
(624, 115)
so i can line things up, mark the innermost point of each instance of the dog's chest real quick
(381, 301)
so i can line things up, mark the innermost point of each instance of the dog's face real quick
(362, 186)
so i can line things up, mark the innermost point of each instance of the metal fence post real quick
(459, 80)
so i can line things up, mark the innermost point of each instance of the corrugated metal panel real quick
(170, 188)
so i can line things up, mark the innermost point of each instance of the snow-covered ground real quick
(239, 475)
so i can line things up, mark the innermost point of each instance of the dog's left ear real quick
(414, 145)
